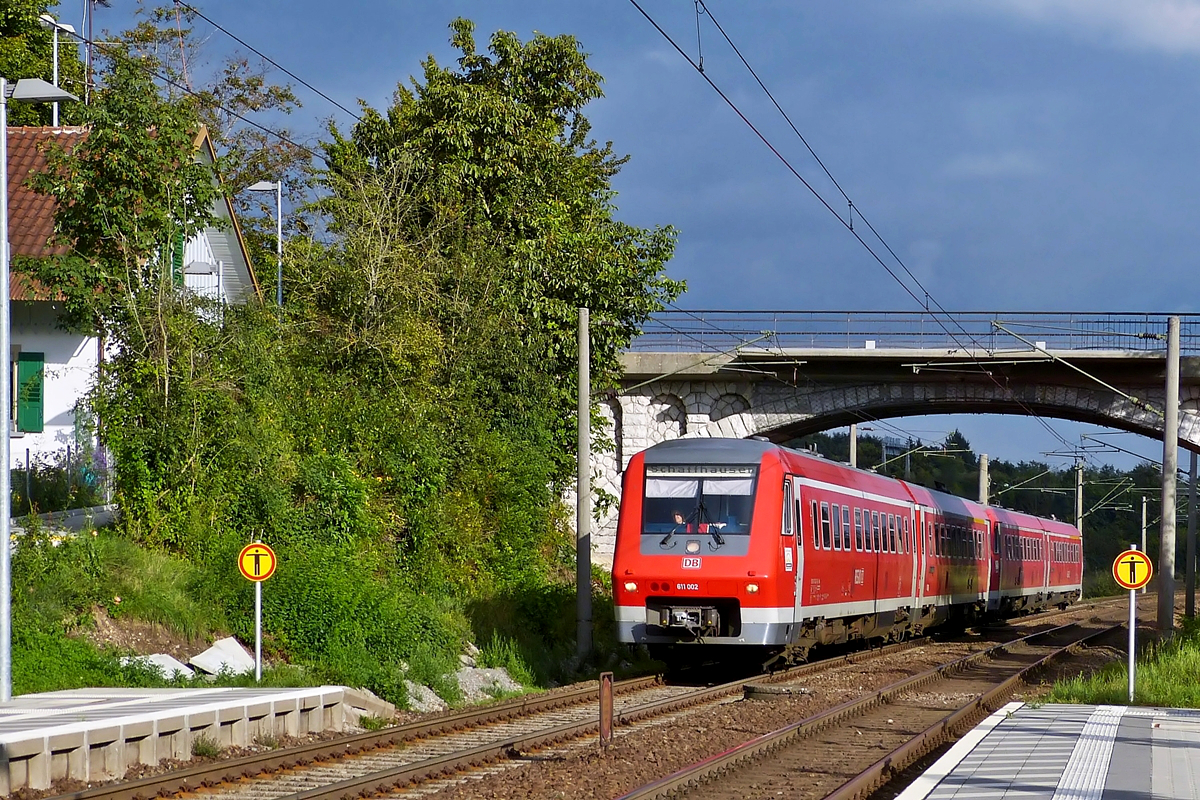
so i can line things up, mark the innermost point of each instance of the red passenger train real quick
(739, 542)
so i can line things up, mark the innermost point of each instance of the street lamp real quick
(50, 22)
(32, 90)
(277, 187)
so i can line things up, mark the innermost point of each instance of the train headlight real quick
(630, 586)
(693, 546)
(751, 588)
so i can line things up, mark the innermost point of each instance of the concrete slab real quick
(1066, 752)
(225, 655)
(94, 734)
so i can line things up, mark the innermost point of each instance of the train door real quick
(789, 542)
(800, 535)
(921, 553)
(993, 596)
(914, 554)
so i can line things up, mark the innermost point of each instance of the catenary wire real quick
(788, 165)
(265, 57)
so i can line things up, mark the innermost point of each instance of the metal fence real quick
(706, 330)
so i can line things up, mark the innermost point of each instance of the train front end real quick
(698, 555)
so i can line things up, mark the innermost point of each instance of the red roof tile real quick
(31, 215)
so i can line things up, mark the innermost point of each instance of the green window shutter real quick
(177, 259)
(31, 379)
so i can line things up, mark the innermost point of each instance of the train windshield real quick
(714, 499)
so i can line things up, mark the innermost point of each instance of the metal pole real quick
(5, 420)
(853, 444)
(984, 488)
(54, 120)
(1079, 496)
(583, 490)
(279, 244)
(1145, 499)
(258, 631)
(1170, 463)
(1190, 574)
(1132, 636)
(28, 481)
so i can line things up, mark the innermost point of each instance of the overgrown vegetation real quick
(1166, 676)
(400, 432)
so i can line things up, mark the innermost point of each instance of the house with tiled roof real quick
(54, 369)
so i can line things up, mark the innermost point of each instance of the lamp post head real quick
(263, 186)
(36, 90)
(48, 21)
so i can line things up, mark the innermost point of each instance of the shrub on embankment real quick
(1166, 676)
(401, 430)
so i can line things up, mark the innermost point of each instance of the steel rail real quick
(224, 771)
(386, 780)
(713, 767)
(208, 774)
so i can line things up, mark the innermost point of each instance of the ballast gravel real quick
(641, 754)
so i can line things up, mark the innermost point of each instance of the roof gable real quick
(31, 215)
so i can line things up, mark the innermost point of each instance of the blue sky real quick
(1017, 154)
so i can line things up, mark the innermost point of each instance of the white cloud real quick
(1171, 26)
(1011, 164)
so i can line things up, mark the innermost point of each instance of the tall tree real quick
(27, 51)
(499, 147)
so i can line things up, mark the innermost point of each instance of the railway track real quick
(452, 743)
(847, 752)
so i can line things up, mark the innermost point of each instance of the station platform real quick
(97, 734)
(1070, 752)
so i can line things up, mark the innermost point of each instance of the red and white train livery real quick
(746, 543)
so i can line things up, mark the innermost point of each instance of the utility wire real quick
(845, 223)
(267, 58)
(115, 50)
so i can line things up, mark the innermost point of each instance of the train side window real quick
(907, 537)
(892, 532)
(837, 528)
(978, 545)
(845, 527)
(858, 538)
(996, 539)
(816, 526)
(875, 531)
(787, 507)
(825, 526)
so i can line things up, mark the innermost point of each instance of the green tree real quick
(499, 149)
(27, 51)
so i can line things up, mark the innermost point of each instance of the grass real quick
(1166, 676)
(204, 747)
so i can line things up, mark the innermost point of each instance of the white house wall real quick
(70, 369)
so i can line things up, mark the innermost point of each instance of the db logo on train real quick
(691, 563)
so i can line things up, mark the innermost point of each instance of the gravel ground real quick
(641, 754)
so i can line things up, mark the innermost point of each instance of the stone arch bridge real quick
(735, 374)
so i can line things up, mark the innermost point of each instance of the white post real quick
(5, 421)
(984, 485)
(1170, 463)
(853, 444)
(279, 244)
(55, 119)
(583, 499)
(258, 631)
(1144, 549)
(1132, 637)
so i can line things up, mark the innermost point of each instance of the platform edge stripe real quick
(929, 780)
(1086, 771)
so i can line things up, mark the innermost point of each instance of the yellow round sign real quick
(257, 562)
(1133, 569)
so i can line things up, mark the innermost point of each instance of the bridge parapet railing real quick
(718, 331)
